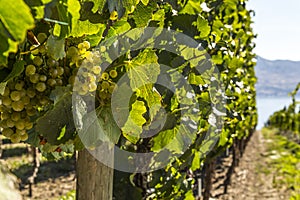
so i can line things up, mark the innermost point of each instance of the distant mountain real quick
(276, 77)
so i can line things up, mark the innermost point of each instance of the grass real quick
(284, 159)
(71, 195)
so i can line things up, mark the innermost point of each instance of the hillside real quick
(276, 78)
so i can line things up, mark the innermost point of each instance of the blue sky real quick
(277, 24)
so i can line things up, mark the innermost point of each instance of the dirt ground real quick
(54, 179)
(249, 182)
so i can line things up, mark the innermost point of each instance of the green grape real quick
(96, 69)
(7, 132)
(51, 82)
(30, 70)
(44, 100)
(17, 106)
(59, 82)
(20, 124)
(41, 87)
(93, 87)
(19, 85)
(102, 49)
(5, 115)
(3, 124)
(103, 95)
(25, 100)
(15, 138)
(113, 15)
(52, 63)
(6, 101)
(30, 92)
(67, 71)
(24, 137)
(15, 116)
(82, 92)
(6, 92)
(60, 71)
(78, 62)
(22, 93)
(82, 51)
(34, 101)
(24, 114)
(72, 51)
(34, 78)
(43, 78)
(113, 73)
(21, 131)
(91, 78)
(89, 56)
(11, 85)
(15, 95)
(85, 74)
(30, 111)
(86, 44)
(105, 85)
(53, 73)
(71, 80)
(85, 87)
(10, 123)
(111, 89)
(105, 76)
(37, 60)
(28, 125)
(42, 49)
(2, 107)
(42, 37)
(81, 46)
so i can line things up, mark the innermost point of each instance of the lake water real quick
(268, 105)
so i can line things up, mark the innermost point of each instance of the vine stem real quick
(36, 165)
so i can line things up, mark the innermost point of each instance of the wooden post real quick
(209, 173)
(94, 179)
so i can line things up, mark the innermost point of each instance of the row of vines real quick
(55, 51)
(283, 127)
(287, 120)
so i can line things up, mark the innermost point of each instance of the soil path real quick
(249, 182)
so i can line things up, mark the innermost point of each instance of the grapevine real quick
(62, 57)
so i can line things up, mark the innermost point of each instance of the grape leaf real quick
(53, 121)
(122, 6)
(96, 126)
(152, 97)
(106, 120)
(98, 4)
(145, 2)
(118, 27)
(143, 73)
(192, 7)
(143, 14)
(18, 68)
(176, 140)
(143, 69)
(203, 27)
(133, 126)
(78, 27)
(15, 20)
(69, 12)
(56, 47)
(196, 160)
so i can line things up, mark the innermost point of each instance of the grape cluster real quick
(89, 80)
(26, 97)
(106, 86)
